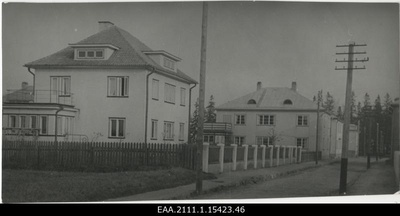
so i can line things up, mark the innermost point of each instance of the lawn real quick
(51, 186)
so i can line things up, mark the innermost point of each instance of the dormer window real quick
(168, 63)
(91, 54)
(251, 101)
(287, 102)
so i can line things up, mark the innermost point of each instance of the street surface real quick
(320, 181)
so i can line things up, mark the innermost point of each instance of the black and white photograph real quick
(227, 102)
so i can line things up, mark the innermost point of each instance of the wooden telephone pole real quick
(199, 152)
(347, 111)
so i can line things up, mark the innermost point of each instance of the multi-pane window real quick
(154, 125)
(208, 138)
(117, 127)
(169, 130)
(169, 93)
(168, 63)
(183, 96)
(33, 122)
(13, 122)
(302, 142)
(118, 86)
(90, 54)
(264, 140)
(43, 125)
(155, 89)
(181, 131)
(61, 86)
(239, 140)
(23, 122)
(266, 119)
(302, 120)
(240, 119)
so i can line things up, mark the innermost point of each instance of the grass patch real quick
(52, 186)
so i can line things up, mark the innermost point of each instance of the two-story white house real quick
(107, 87)
(280, 116)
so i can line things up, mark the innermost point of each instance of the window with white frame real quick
(183, 96)
(23, 122)
(90, 54)
(168, 63)
(263, 140)
(302, 120)
(168, 130)
(118, 86)
(181, 131)
(240, 119)
(239, 140)
(169, 93)
(266, 120)
(61, 85)
(208, 138)
(44, 124)
(13, 123)
(155, 89)
(154, 126)
(116, 128)
(33, 122)
(302, 142)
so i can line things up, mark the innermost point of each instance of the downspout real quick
(190, 106)
(33, 74)
(56, 124)
(147, 104)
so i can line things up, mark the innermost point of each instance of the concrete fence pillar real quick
(284, 154)
(300, 151)
(290, 154)
(255, 156)
(277, 155)
(221, 156)
(263, 147)
(271, 156)
(246, 153)
(206, 149)
(295, 154)
(234, 156)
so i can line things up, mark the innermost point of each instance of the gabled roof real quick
(270, 99)
(129, 54)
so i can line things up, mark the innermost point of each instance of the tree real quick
(274, 136)
(340, 114)
(210, 115)
(353, 109)
(194, 122)
(329, 103)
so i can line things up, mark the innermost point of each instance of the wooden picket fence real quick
(96, 156)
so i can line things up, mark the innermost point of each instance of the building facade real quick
(108, 87)
(281, 116)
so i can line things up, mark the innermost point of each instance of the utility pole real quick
(377, 141)
(317, 131)
(346, 126)
(199, 152)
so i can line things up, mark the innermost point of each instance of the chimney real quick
(103, 25)
(24, 85)
(294, 86)
(259, 85)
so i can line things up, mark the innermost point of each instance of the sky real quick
(275, 43)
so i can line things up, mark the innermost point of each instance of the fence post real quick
(246, 152)
(271, 156)
(290, 155)
(255, 156)
(299, 149)
(38, 155)
(205, 156)
(263, 156)
(284, 154)
(295, 154)
(234, 156)
(221, 157)
(277, 155)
